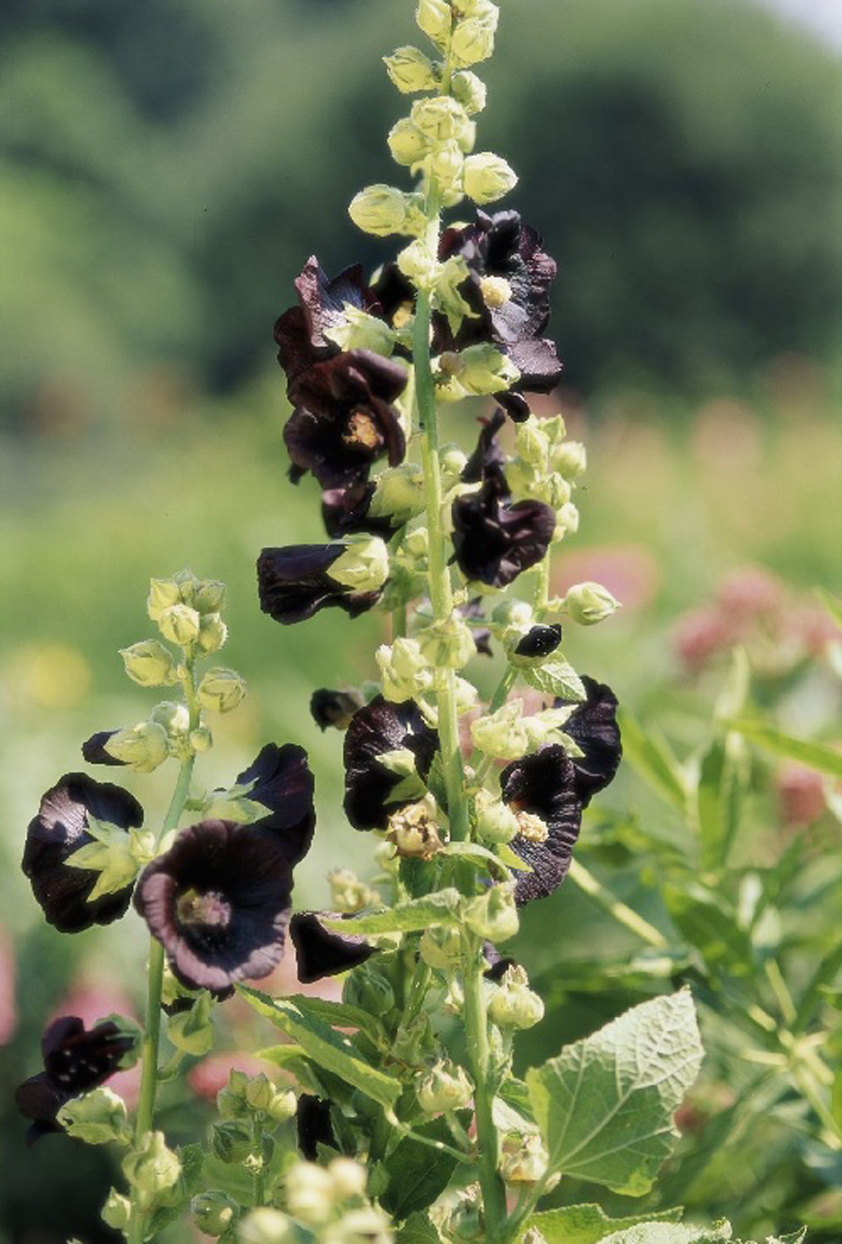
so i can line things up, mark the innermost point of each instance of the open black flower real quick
(284, 784)
(322, 952)
(60, 829)
(219, 902)
(494, 541)
(593, 726)
(314, 1126)
(543, 785)
(375, 729)
(75, 1061)
(294, 583)
(334, 708)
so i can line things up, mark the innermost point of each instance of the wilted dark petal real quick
(488, 460)
(284, 783)
(334, 708)
(323, 299)
(295, 350)
(544, 784)
(494, 542)
(339, 441)
(321, 952)
(294, 583)
(313, 1126)
(379, 727)
(219, 902)
(593, 726)
(352, 378)
(93, 749)
(539, 641)
(515, 405)
(59, 829)
(345, 512)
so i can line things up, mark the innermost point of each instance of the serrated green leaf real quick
(417, 1173)
(441, 907)
(723, 780)
(605, 1105)
(651, 757)
(482, 856)
(587, 1224)
(328, 1049)
(418, 1230)
(555, 677)
(814, 755)
(653, 1232)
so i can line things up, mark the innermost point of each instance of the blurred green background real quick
(166, 168)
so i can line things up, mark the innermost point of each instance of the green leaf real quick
(650, 755)
(723, 780)
(814, 755)
(586, 1224)
(555, 677)
(328, 1049)
(417, 1173)
(605, 1104)
(418, 1230)
(441, 907)
(480, 855)
(707, 921)
(653, 1232)
(337, 1014)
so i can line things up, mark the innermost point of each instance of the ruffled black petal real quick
(379, 727)
(593, 726)
(345, 511)
(334, 708)
(59, 829)
(322, 952)
(543, 784)
(284, 783)
(294, 583)
(494, 542)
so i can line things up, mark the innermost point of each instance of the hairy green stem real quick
(476, 1035)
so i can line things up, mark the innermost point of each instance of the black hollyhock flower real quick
(294, 583)
(219, 902)
(313, 1126)
(60, 829)
(93, 749)
(379, 727)
(75, 1061)
(493, 541)
(284, 784)
(322, 952)
(593, 726)
(345, 511)
(343, 419)
(334, 708)
(544, 785)
(539, 641)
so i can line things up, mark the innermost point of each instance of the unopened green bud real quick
(399, 493)
(567, 519)
(214, 1212)
(143, 747)
(367, 1225)
(480, 370)
(149, 663)
(523, 1159)
(209, 596)
(469, 90)
(349, 1178)
(117, 1211)
(221, 690)
(453, 462)
(448, 644)
(357, 330)
(266, 1098)
(405, 671)
(231, 1100)
(495, 821)
(201, 740)
(180, 625)
(152, 1167)
(410, 70)
(444, 1087)
(502, 733)
(192, 1031)
(96, 1117)
(379, 209)
(368, 988)
(441, 946)
(418, 265)
(311, 1194)
(212, 632)
(163, 594)
(488, 177)
(513, 1004)
(348, 894)
(513, 613)
(587, 603)
(473, 39)
(266, 1226)
(532, 442)
(493, 915)
(406, 142)
(441, 119)
(363, 566)
(570, 459)
(446, 164)
(434, 17)
(232, 1141)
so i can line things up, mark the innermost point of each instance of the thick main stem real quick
(476, 1033)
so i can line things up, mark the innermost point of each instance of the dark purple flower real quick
(543, 785)
(334, 708)
(75, 1061)
(487, 462)
(322, 952)
(284, 784)
(219, 902)
(93, 749)
(593, 726)
(493, 541)
(294, 583)
(539, 641)
(345, 511)
(379, 727)
(60, 829)
(314, 1127)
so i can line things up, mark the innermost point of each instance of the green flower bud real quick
(493, 915)
(348, 893)
(532, 442)
(117, 1211)
(214, 1212)
(364, 565)
(495, 821)
(418, 265)
(232, 1141)
(446, 165)
(221, 690)
(209, 596)
(513, 613)
(523, 1159)
(444, 1087)
(367, 987)
(367, 1225)
(434, 17)
(379, 209)
(149, 663)
(473, 39)
(441, 119)
(567, 519)
(180, 625)
(488, 177)
(414, 829)
(480, 370)
(349, 1178)
(410, 70)
(266, 1226)
(96, 1117)
(212, 632)
(448, 644)
(357, 330)
(266, 1098)
(311, 1194)
(570, 459)
(201, 740)
(406, 142)
(163, 594)
(143, 747)
(453, 461)
(192, 1031)
(399, 493)
(588, 603)
(231, 1100)
(406, 673)
(469, 90)
(153, 1167)
(502, 734)
(441, 947)
(513, 1004)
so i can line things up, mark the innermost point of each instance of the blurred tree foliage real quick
(168, 165)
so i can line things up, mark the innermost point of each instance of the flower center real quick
(530, 826)
(210, 909)
(362, 430)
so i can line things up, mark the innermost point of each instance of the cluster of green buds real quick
(324, 1204)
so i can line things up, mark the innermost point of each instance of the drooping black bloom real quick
(93, 749)
(380, 727)
(488, 461)
(60, 829)
(322, 952)
(313, 1126)
(334, 708)
(494, 541)
(593, 726)
(75, 1061)
(294, 583)
(539, 641)
(345, 511)
(283, 783)
(543, 785)
(219, 902)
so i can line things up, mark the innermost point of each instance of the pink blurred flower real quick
(629, 571)
(210, 1075)
(8, 1011)
(750, 593)
(800, 794)
(700, 634)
